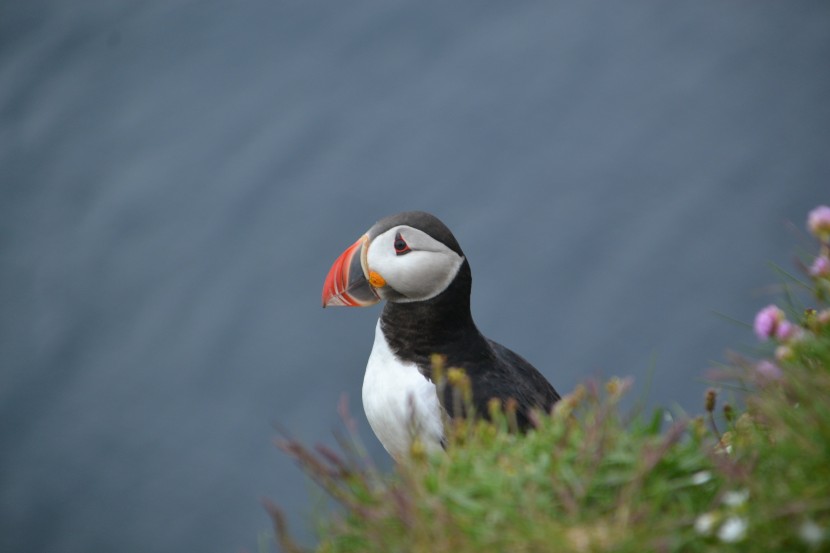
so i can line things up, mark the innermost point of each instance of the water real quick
(177, 178)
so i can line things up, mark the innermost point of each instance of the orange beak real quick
(346, 283)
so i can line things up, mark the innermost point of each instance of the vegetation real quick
(755, 478)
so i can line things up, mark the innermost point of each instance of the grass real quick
(588, 478)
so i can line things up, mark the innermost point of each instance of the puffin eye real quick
(401, 247)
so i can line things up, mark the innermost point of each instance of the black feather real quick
(444, 325)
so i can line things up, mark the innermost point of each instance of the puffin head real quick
(408, 257)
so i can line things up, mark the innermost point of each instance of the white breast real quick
(400, 402)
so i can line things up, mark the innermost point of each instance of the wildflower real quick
(818, 222)
(820, 267)
(732, 530)
(785, 330)
(417, 449)
(570, 402)
(823, 316)
(457, 378)
(811, 533)
(701, 477)
(783, 353)
(735, 499)
(616, 387)
(704, 523)
(698, 427)
(768, 370)
(767, 321)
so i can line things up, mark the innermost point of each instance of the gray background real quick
(178, 176)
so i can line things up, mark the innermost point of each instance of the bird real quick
(413, 262)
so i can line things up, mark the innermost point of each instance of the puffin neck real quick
(417, 330)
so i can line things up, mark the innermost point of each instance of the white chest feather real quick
(399, 402)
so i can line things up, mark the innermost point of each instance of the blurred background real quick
(177, 176)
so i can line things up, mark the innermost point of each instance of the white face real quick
(419, 271)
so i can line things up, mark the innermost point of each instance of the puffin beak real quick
(346, 283)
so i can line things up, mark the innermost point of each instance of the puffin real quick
(413, 262)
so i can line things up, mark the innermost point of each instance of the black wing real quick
(504, 374)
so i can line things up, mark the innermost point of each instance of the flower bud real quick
(728, 412)
(711, 397)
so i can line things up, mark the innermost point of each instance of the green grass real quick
(587, 478)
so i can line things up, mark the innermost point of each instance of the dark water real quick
(177, 177)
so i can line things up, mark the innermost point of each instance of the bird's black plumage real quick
(443, 325)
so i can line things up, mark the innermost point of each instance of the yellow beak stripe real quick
(376, 280)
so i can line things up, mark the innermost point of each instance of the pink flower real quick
(818, 221)
(785, 330)
(766, 322)
(768, 370)
(821, 267)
